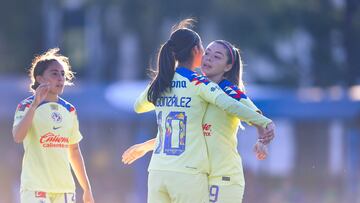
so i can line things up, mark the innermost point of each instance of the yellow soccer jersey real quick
(46, 164)
(180, 144)
(220, 131)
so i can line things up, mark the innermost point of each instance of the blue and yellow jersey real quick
(180, 145)
(220, 131)
(46, 164)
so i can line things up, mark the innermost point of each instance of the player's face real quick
(214, 61)
(55, 76)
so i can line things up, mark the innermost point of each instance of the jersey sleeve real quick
(241, 111)
(142, 104)
(76, 136)
(20, 112)
(209, 91)
(249, 103)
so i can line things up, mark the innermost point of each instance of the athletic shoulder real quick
(25, 103)
(67, 105)
(193, 77)
(232, 90)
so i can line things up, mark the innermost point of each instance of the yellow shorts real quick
(226, 193)
(175, 187)
(226, 189)
(27, 196)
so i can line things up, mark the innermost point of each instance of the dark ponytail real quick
(177, 49)
(166, 71)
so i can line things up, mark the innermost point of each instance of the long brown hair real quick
(41, 62)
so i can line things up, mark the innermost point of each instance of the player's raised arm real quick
(25, 112)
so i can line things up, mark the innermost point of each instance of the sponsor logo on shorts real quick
(40, 194)
(225, 178)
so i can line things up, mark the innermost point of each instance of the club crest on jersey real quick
(56, 116)
(215, 88)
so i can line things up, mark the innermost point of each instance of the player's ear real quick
(197, 50)
(39, 79)
(228, 67)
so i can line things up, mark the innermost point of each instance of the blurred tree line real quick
(309, 42)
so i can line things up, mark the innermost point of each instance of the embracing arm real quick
(241, 111)
(137, 151)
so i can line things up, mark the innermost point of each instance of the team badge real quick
(56, 116)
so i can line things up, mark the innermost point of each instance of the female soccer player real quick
(48, 127)
(222, 64)
(179, 165)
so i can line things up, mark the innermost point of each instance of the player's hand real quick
(88, 197)
(266, 135)
(41, 93)
(260, 150)
(133, 153)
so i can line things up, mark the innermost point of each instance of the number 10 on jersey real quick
(165, 140)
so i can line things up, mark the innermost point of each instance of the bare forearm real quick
(149, 145)
(20, 130)
(78, 166)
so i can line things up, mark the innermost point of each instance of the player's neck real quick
(188, 65)
(52, 97)
(216, 78)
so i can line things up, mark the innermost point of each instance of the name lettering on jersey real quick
(173, 101)
(206, 129)
(178, 84)
(56, 116)
(50, 140)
